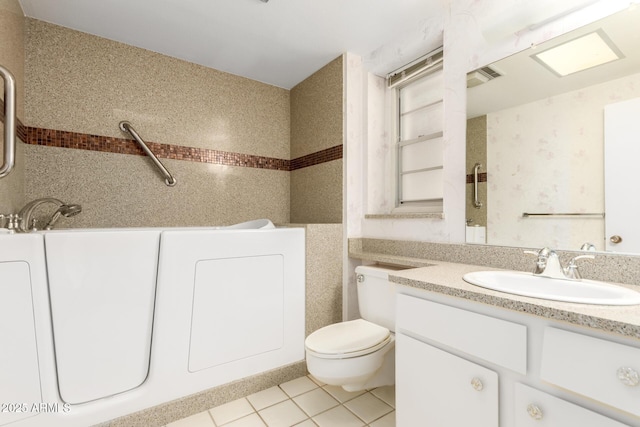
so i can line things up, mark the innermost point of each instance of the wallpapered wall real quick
(547, 156)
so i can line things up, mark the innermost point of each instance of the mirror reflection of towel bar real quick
(527, 214)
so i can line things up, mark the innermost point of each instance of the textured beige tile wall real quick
(125, 191)
(83, 83)
(317, 124)
(12, 58)
(324, 275)
(316, 111)
(477, 153)
(316, 193)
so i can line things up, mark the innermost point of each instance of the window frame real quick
(434, 205)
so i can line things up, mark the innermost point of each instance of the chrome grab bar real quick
(9, 122)
(476, 203)
(168, 178)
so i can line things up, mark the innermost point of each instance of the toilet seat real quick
(347, 339)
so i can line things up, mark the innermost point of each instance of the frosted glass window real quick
(425, 91)
(422, 155)
(422, 186)
(419, 124)
(422, 122)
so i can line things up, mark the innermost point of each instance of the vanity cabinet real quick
(534, 408)
(441, 389)
(601, 370)
(458, 366)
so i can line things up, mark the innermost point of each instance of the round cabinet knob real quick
(534, 411)
(628, 376)
(477, 384)
(615, 239)
(360, 278)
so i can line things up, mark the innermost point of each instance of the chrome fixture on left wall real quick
(9, 122)
(27, 222)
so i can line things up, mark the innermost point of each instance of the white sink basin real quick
(526, 284)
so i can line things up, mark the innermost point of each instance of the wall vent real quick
(481, 76)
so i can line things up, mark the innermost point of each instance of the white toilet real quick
(359, 354)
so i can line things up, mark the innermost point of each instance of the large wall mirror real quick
(557, 146)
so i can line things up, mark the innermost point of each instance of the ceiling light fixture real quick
(579, 54)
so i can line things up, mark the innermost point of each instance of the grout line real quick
(308, 417)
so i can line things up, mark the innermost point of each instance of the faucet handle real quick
(571, 271)
(588, 247)
(542, 253)
(543, 256)
(10, 222)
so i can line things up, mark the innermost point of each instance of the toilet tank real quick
(377, 295)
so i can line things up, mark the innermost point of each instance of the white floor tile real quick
(284, 414)
(341, 394)
(368, 407)
(315, 380)
(388, 420)
(231, 411)
(252, 420)
(386, 394)
(298, 386)
(267, 397)
(307, 423)
(337, 417)
(198, 420)
(315, 401)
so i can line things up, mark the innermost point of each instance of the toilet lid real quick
(346, 337)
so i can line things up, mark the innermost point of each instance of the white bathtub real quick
(96, 324)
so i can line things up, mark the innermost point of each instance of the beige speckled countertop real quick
(446, 278)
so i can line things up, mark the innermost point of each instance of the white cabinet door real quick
(436, 388)
(537, 409)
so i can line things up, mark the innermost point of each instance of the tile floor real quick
(303, 402)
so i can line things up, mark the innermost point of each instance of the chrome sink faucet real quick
(548, 265)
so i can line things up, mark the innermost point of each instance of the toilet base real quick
(357, 373)
(386, 375)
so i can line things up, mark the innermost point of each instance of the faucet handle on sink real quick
(571, 271)
(543, 256)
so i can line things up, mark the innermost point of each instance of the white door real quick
(621, 162)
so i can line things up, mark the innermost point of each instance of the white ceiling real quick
(281, 42)
(525, 80)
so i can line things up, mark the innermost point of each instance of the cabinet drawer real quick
(472, 333)
(538, 409)
(591, 366)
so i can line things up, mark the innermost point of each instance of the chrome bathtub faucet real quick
(10, 222)
(27, 223)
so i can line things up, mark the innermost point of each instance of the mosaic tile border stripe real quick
(322, 156)
(482, 177)
(82, 141)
